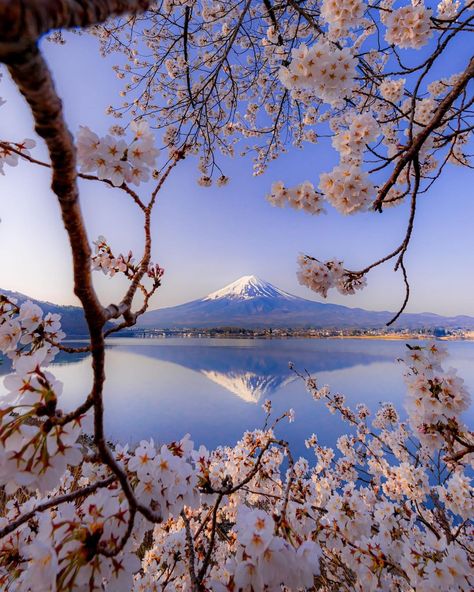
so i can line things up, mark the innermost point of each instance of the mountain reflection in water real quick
(214, 388)
(253, 369)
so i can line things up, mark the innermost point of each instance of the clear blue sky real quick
(206, 238)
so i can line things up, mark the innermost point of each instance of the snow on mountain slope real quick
(247, 287)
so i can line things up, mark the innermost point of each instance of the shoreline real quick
(230, 335)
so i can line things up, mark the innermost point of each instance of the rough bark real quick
(23, 22)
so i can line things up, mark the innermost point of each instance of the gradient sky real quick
(206, 238)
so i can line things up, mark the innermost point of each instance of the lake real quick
(214, 388)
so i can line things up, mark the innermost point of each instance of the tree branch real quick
(55, 501)
(23, 22)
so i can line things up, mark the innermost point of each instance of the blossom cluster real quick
(342, 16)
(265, 561)
(36, 448)
(112, 159)
(302, 197)
(436, 398)
(61, 546)
(165, 477)
(362, 130)
(447, 9)
(392, 89)
(24, 329)
(104, 260)
(326, 70)
(409, 26)
(322, 276)
(348, 188)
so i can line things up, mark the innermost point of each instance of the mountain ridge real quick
(250, 302)
(73, 322)
(253, 303)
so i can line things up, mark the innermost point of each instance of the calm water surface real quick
(214, 388)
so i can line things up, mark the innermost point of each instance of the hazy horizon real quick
(238, 280)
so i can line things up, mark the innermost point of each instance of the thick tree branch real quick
(30, 72)
(23, 22)
(421, 138)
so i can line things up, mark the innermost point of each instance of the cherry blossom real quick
(342, 16)
(409, 26)
(115, 160)
(347, 188)
(326, 70)
(321, 277)
(303, 197)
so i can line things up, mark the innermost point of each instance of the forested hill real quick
(72, 317)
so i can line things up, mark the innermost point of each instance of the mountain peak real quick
(246, 288)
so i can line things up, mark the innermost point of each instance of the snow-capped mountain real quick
(251, 302)
(248, 287)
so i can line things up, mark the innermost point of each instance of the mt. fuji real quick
(251, 302)
(248, 287)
